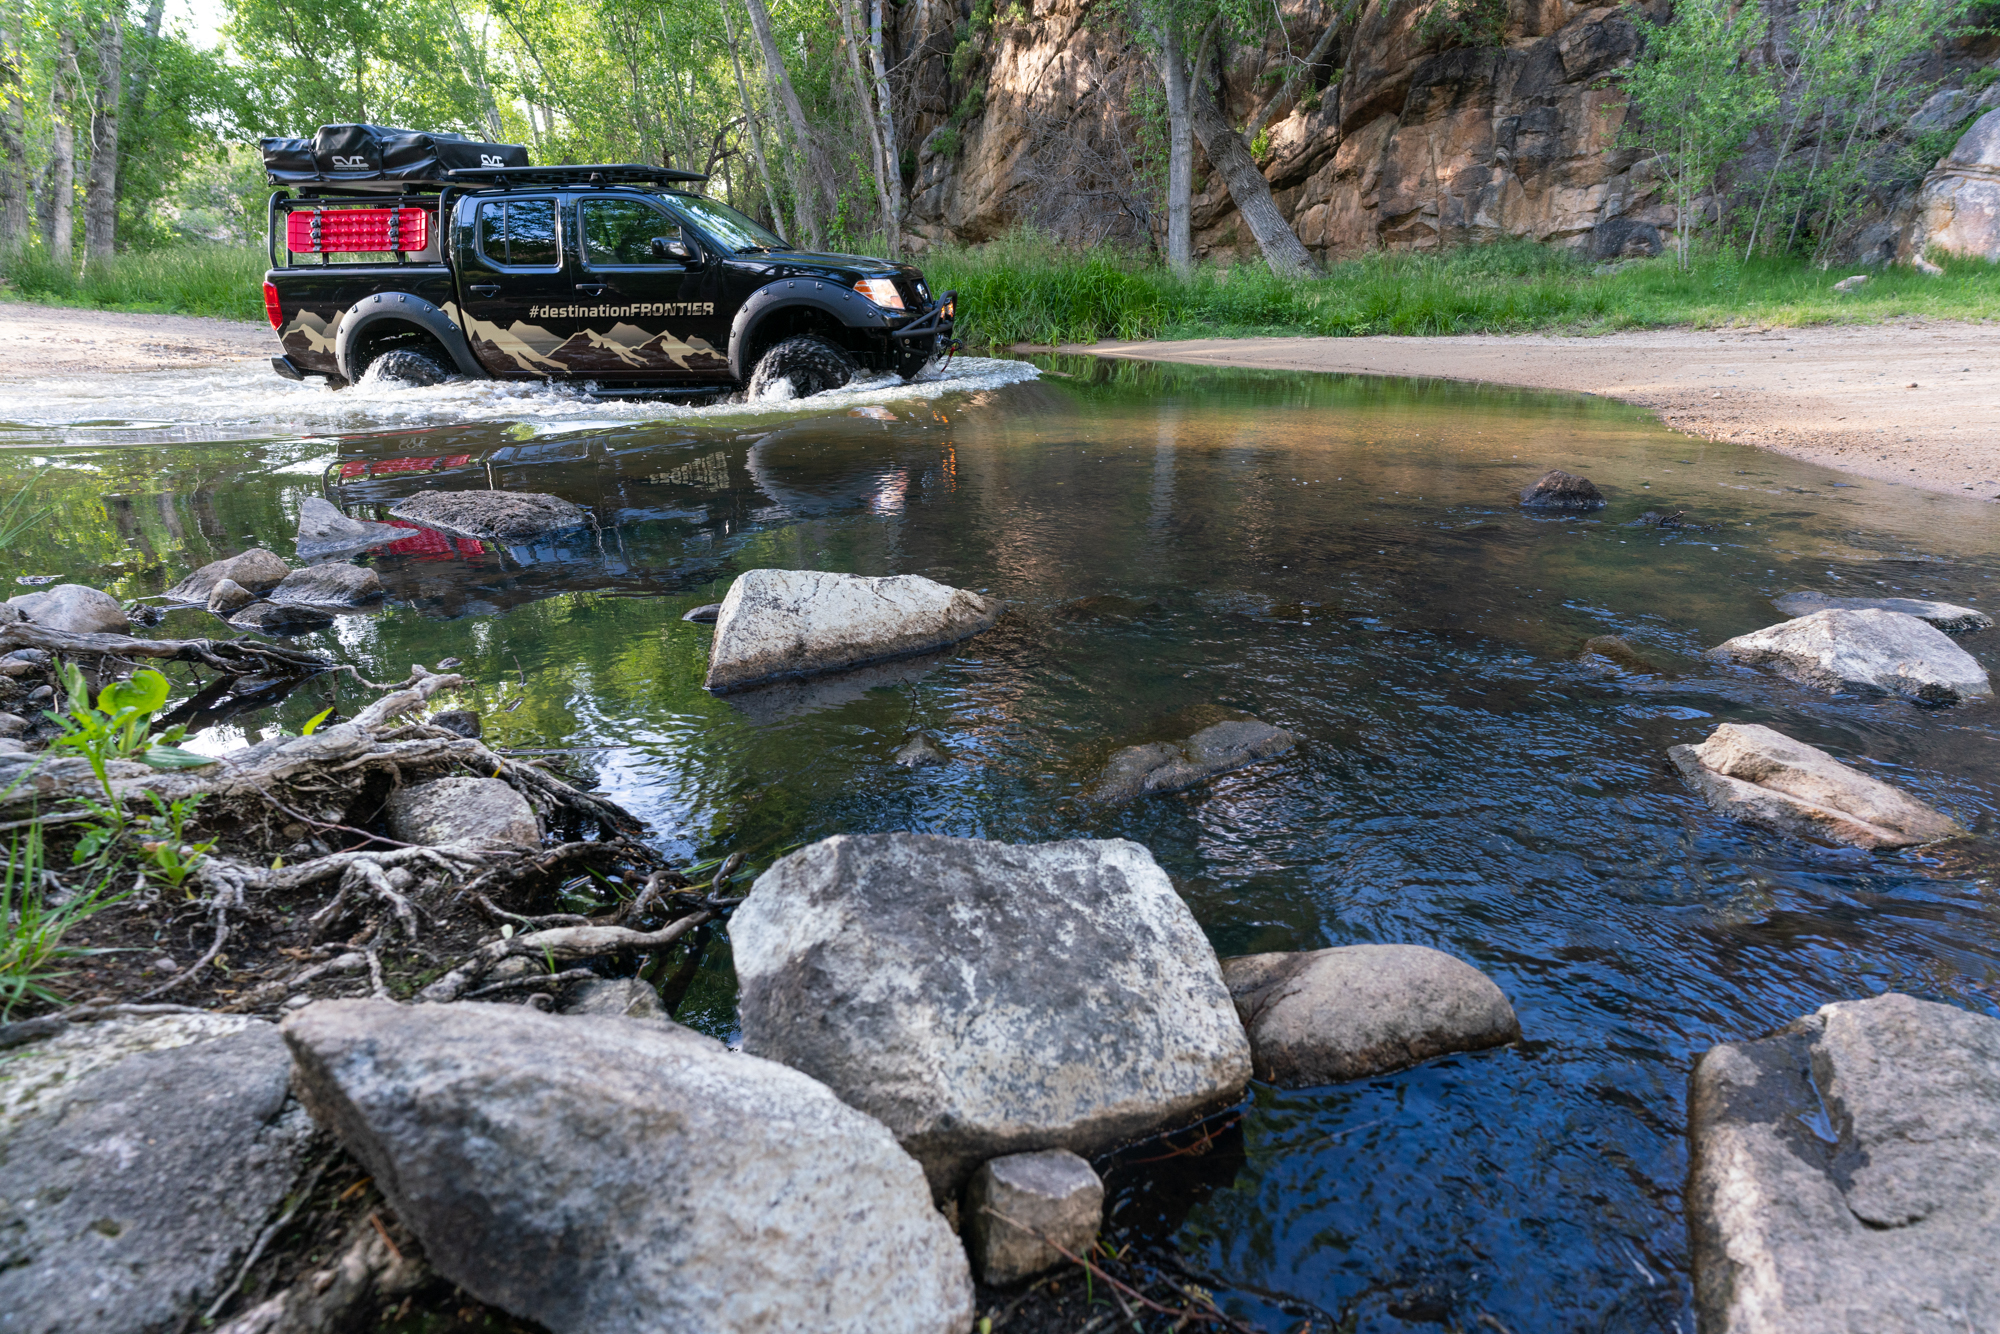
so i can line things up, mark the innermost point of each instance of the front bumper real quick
(926, 336)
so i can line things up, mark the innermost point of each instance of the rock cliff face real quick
(1402, 140)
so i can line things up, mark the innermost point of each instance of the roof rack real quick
(615, 173)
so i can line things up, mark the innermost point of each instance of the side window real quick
(621, 231)
(519, 233)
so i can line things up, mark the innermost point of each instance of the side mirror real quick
(669, 248)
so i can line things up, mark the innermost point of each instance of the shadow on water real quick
(1340, 556)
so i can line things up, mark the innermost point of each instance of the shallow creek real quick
(1340, 556)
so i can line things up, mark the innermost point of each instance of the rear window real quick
(519, 232)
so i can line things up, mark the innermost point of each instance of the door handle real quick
(483, 289)
(595, 289)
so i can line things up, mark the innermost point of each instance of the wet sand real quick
(60, 340)
(1909, 401)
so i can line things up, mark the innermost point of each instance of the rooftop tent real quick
(377, 157)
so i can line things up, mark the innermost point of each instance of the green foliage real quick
(1463, 23)
(225, 281)
(119, 726)
(1697, 94)
(32, 952)
(164, 845)
(1028, 289)
(12, 521)
(946, 143)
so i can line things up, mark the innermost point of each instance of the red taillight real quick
(273, 311)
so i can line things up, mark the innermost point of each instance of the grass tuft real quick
(224, 281)
(1025, 289)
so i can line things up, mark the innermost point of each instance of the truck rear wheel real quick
(810, 364)
(408, 365)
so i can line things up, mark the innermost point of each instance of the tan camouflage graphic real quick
(309, 333)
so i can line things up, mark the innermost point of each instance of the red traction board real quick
(346, 231)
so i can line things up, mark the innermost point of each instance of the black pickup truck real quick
(426, 256)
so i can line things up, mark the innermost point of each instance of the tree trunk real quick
(806, 183)
(861, 95)
(1247, 186)
(13, 146)
(59, 187)
(1173, 69)
(891, 158)
(750, 119)
(100, 191)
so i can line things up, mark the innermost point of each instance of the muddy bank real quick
(1914, 402)
(58, 340)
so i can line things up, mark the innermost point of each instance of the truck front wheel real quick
(809, 364)
(408, 365)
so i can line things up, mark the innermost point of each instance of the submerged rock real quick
(1946, 616)
(505, 516)
(1018, 1204)
(1845, 1173)
(1883, 651)
(598, 1174)
(74, 608)
(324, 531)
(982, 999)
(778, 623)
(463, 722)
(704, 614)
(1559, 490)
(1763, 777)
(1175, 766)
(462, 810)
(331, 584)
(142, 1161)
(1613, 648)
(228, 597)
(920, 752)
(280, 618)
(1362, 1010)
(258, 570)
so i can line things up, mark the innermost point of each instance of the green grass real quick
(1026, 290)
(225, 281)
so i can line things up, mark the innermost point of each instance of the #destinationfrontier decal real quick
(625, 348)
(655, 309)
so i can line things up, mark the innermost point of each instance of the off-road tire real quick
(410, 366)
(812, 364)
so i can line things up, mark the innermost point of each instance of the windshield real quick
(726, 225)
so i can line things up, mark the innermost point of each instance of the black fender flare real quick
(843, 303)
(402, 308)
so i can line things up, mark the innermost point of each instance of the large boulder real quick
(1763, 777)
(1958, 209)
(1946, 616)
(324, 531)
(1174, 766)
(1884, 651)
(504, 516)
(1361, 1010)
(1563, 492)
(596, 1173)
(281, 618)
(1845, 1174)
(138, 1164)
(330, 584)
(258, 570)
(462, 810)
(76, 608)
(982, 999)
(777, 623)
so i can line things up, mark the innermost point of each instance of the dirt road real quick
(37, 341)
(1916, 402)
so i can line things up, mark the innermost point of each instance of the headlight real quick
(882, 291)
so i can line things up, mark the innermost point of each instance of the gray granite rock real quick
(598, 1174)
(982, 999)
(75, 608)
(1176, 766)
(704, 614)
(1845, 1174)
(619, 998)
(136, 1172)
(324, 531)
(229, 597)
(1361, 1010)
(1016, 1206)
(258, 570)
(1946, 616)
(330, 584)
(281, 618)
(780, 623)
(920, 752)
(1559, 490)
(503, 516)
(1763, 777)
(1881, 651)
(462, 810)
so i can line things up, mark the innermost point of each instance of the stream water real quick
(1340, 556)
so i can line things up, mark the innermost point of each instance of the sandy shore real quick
(1912, 401)
(57, 340)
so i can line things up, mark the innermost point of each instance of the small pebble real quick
(41, 695)
(298, 1002)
